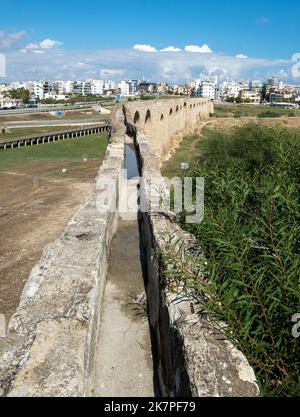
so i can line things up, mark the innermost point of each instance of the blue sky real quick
(263, 33)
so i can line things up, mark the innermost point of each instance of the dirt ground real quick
(227, 123)
(36, 203)
(69, 115)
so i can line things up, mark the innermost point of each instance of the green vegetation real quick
(268, 113)
(27, 131)
(271, 113)
(70, 150)
(146, 97)
(252, 111)
(251, 238)
(184, 153)
(237, 100)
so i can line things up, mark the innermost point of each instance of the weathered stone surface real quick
(55, 365)
(193, 360)
(50, 347)
(51, 339)
(166, 122)
(215, 367)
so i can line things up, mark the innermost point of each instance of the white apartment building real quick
(182, 90)
(63, 87)
(97, 87)
(59, 87)
(128, 88)
(206, 89)
(69, 87)
(4, 88)
(275, 83)
(251, 96)
(124, 87)
(36, 88)
(83, 88)
(256, 84)
(16, 85)
(197, 84)
(55, 96)
(192, 85)
(244, 85)
(8, 102)
(230, 89)
(110, 85)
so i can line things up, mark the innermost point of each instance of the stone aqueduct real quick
(52, 338)
(166, 122)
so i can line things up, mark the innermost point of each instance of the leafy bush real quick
(251, 239)
(268, 113)
(237, 115)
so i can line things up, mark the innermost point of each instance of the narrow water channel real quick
(124, 365)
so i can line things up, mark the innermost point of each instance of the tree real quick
(264, 92)
(19, 94)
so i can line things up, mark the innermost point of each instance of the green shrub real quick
(251, 239)
(269, 113)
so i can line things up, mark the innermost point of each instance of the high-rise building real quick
(129, 88)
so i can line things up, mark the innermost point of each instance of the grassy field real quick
(253, 111)
(185, 153)
(28, 131)
(94, 147)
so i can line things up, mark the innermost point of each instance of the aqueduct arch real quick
(136, 118)
(157, 119)
(148, 117)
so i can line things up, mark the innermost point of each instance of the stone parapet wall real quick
(167, 121)
(192, 358)
(50, 345)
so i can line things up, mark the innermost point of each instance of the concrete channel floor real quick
(124, 366)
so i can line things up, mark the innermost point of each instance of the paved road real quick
(48, 123)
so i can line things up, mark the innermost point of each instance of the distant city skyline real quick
(155, 39)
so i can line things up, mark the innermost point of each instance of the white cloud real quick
(81, 65)
(145, 48)
(204, 49)
(32, 46)
(242, 56)
(10, 40)
(75, 65)
(263, 20)
(281, 74)
(110, 73)
(170, 49)
(49, 43)
(40, 48)
(132, 64)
